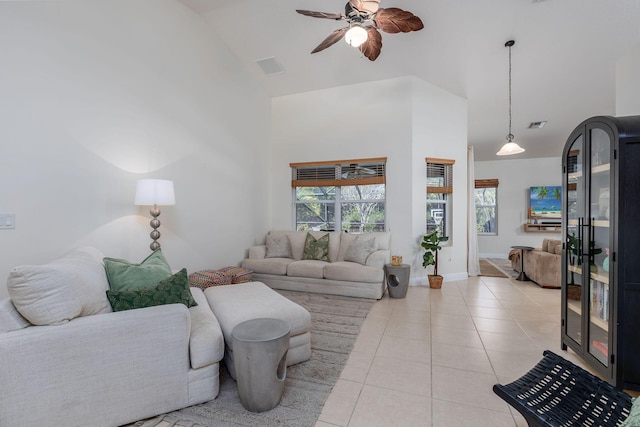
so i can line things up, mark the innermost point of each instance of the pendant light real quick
(510, 147)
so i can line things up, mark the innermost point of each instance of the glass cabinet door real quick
(575, 216)
(599, 240)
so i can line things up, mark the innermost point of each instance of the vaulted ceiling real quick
(563, 60)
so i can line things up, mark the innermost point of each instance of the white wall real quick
(627, 85)
(440, 131)
(402, 119)
(515, 177)
(96, 95)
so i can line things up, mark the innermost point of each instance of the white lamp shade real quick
(356, 36)
(510, 148)
(155, 192)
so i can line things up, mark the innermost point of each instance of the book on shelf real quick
(599, 300)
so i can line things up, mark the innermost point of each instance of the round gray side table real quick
(260, 349)
(397, 277)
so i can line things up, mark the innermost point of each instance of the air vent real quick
(537, 125)
(270, 66)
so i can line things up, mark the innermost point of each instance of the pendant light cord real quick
(510, 137)
(509, 44)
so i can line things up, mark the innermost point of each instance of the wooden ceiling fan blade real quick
(370, 6)
(331, 39)
(394, 20)
(336, 16)
(373, 46)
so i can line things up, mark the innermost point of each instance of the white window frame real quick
(338, 174)
(487, 184)
(444, 188)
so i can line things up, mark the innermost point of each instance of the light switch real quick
(7, 221)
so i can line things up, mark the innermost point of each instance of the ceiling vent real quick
(270, 66)
(537, 125)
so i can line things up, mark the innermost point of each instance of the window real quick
(340, 195)
(439, 191)
(486, 199)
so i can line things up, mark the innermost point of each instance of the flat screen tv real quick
(545, 202)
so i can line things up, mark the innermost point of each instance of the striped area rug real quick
(487, 268)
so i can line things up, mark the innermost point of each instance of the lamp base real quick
(155, 224)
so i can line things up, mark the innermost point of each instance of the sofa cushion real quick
(277, 266)
(124, 275)
(10, 317)
(206, 343)
(278, 246)
(360, 249)
(352, 272)
(66, 288)
(307, 268)
(316, 248)
(552, 245)
(172, 290)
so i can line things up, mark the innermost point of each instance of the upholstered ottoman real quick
(235, 304)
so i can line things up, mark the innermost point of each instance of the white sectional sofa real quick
(353, 266)
(84, 365)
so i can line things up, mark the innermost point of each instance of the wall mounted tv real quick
(545, 203)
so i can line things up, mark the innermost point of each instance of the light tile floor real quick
(432, 358)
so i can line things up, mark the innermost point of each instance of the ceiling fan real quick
(365, 17)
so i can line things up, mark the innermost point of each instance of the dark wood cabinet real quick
(601, 247)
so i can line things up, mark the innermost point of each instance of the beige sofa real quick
(339, 275)
(542, 265)
(68, 360)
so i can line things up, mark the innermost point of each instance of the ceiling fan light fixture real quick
(355, 36)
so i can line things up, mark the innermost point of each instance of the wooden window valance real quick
(486, 183)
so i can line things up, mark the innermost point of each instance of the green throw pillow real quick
(634, 417)
(317, 249)
(125, 276)
(172, 290)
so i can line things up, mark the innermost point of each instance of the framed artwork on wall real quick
(545, 203)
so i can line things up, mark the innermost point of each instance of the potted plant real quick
(431, 245)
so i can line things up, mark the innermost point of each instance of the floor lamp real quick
(155, 192)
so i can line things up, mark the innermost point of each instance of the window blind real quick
(339, 173)
(439, 175)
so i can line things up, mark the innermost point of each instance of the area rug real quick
(504, 265)
(335, 324)
(489, 269)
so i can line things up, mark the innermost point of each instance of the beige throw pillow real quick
(360, 249)
(54, 293)
(278, 246)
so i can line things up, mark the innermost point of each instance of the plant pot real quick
(435, 282)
